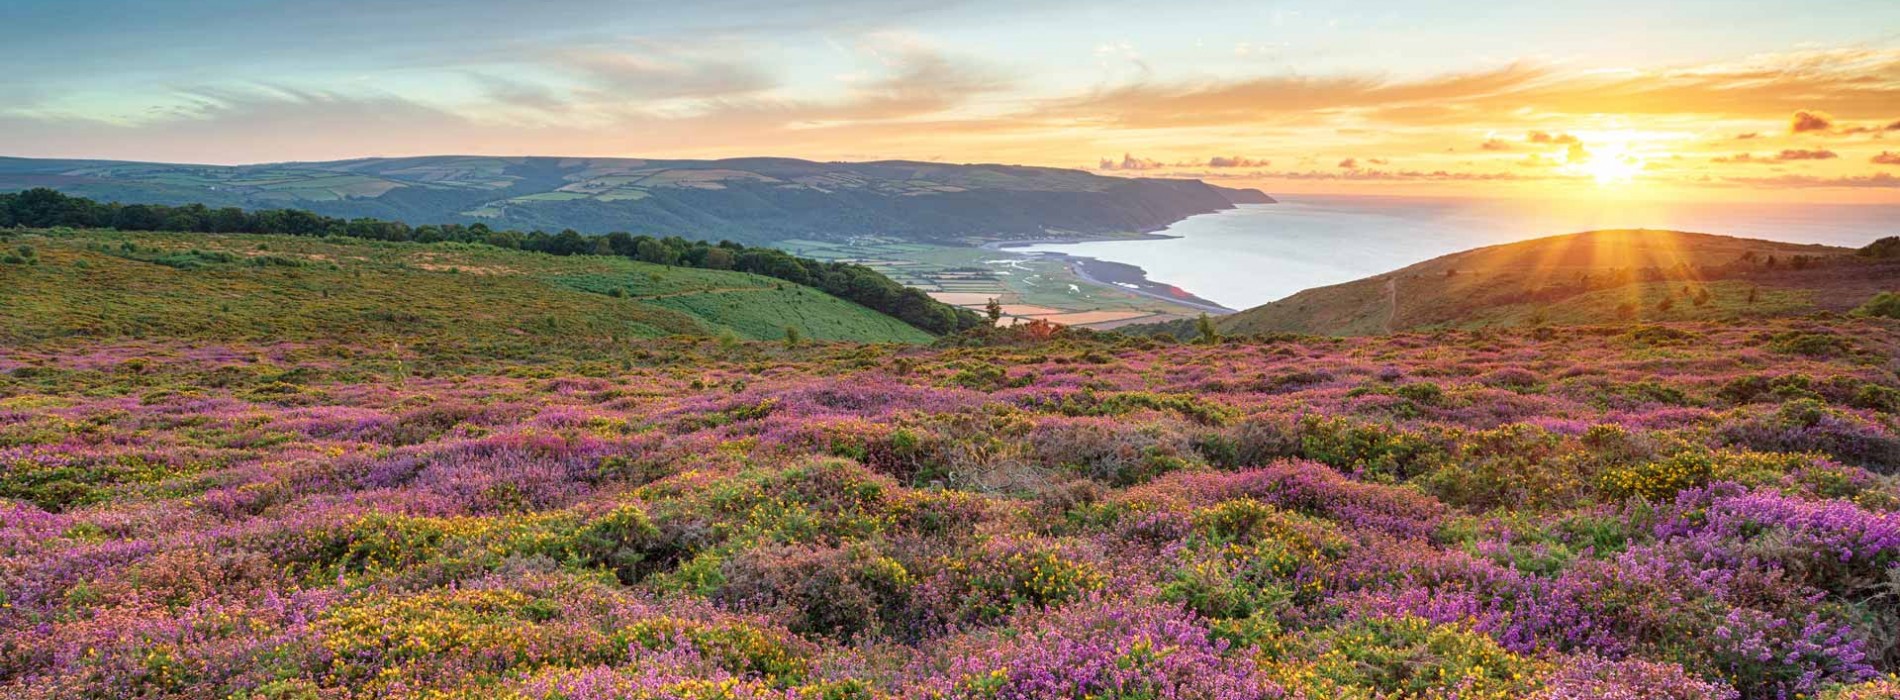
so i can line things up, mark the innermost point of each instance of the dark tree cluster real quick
(46, 208)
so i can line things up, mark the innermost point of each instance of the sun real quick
(1610, 163)
(1613, 168)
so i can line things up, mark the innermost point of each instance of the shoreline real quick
(1133, 279)
(1124, 276)
(1001, 246)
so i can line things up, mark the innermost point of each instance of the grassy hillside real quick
(1593, 277)
(751, 200)
(105, 285)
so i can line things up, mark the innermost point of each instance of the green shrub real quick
(987, 585)
(624, 541)
(1875, 397)
(1090, 403)
(1882, 305)
(1512, 466)
(988, 377)
(1381, 452)
(1888, 247)
(1660, 335)
(1810, 344)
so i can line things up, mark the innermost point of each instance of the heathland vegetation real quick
(293, 467)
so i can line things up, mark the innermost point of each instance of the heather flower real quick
(1100, 649)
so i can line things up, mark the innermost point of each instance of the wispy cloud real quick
(1237, 162)
(1806, 154)
(1818, 112)
(657, 74)
(1877, 180)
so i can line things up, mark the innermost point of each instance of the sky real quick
(1689, 99)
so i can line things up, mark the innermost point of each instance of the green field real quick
(969, 276)
(103, 284)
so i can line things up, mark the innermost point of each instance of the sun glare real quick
(1614, 168)
(1610, 163)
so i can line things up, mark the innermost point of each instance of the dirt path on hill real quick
(1392, 303)
(716, 290)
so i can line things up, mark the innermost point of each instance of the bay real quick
(1258, 253)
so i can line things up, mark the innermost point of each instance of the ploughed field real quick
(1666, 511)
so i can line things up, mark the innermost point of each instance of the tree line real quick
(46, 208)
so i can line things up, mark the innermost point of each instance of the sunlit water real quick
(1261, 252)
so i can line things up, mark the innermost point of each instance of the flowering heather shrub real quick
(1590, 677)
(1807, 425)
(1676, 512)
(1832, 545)
(840, 593)
(1108, 451)
(1100, 649)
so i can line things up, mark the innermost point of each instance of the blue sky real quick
(1304, 86)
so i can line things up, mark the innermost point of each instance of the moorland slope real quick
(1615, 276)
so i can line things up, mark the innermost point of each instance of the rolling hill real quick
(1584, 278)
(750, 200)
(120, 285)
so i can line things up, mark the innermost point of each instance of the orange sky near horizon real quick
(1690, 100)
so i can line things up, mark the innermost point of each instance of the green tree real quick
(1205, 327)
(994, 309)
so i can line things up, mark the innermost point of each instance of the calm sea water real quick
(1258, 253)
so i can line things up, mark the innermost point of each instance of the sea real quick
(1258, 253)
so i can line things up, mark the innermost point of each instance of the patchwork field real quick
(756, 201)
(1029, 288)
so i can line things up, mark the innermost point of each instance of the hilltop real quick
(1616, 276)
(750, 200)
